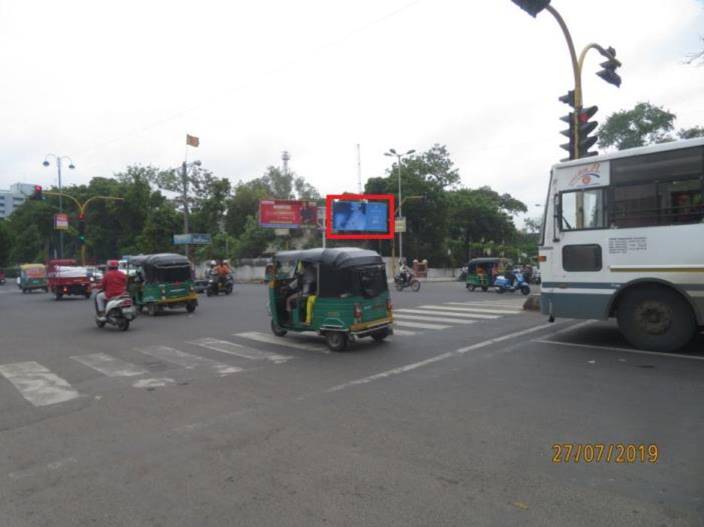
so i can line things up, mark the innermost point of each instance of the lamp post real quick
(71, 166)
(184, 196)
(392, 153)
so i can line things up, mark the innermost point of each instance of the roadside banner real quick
(400, 224)
(60, 221)
(287, 214)
(192, 239)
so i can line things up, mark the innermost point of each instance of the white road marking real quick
(403, 332)
(446, 320)
(37, 384)
(513, 308)
(477, 309)
(460, 314)
(110, 366)
(417, 325)
(282, 341)
(153, 383)
(437, 358)
(187, 360)
(230, 348)
(624, 350)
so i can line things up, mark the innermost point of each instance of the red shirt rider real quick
(114, 282)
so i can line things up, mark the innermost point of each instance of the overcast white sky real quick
(118, 83)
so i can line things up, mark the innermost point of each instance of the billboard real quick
(60, 221)
(287, 214)
(360, 217)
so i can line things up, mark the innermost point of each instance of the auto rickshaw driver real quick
(304, 286)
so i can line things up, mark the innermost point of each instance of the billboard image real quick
(287, 214)
(360, 217)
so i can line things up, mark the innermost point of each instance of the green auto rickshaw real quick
(340, 293)
(158, 281)
(481, 272)
(33, 277)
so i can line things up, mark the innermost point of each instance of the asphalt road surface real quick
(208, 420)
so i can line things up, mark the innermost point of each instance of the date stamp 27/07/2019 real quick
(605, 453)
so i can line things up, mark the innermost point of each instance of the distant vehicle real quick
(412, 283)
(32, 278)
(67, 278)
(511, 283)
(481, 272)
(622, 237)
(216, 286)
(159, 281)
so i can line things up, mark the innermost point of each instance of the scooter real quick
(504, 284)
(217, 286)
(119, 312)
(411, 282)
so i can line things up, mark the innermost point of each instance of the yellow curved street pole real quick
(82, 211)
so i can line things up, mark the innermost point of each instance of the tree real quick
(644, 124)
(5, 244)
(533, 225)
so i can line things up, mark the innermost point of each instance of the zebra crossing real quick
(449, 314)
(149, 366)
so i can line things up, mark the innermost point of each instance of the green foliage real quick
(644, 124)
(5, 244)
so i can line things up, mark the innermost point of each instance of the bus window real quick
(634, 206)
(583, 209)
(681, 201)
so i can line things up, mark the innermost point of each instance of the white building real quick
(13, 198)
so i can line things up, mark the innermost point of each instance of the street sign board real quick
(287, 214)
(192, 239)
(281, 232)
(321, 218)
(400, 224)
(60, 221)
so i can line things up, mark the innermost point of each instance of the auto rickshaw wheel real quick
(24, 291)
(45, 289)
(380, 334)
(277, 330)
(471, 287)
(191, 306)
(59, 296)
(336, 340)
(485, 288)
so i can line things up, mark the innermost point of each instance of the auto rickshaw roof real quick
(487, 260)
(137, 259)
(165, 260)
(32, 266)
(340, 257)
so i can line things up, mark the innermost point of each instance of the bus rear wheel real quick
(656, 319)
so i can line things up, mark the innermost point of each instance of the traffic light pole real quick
(81, 214)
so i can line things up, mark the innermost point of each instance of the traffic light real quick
(586, 127)
(608, 72)
(532, 7)
(568, 98)
(81, 229)
(37, 193)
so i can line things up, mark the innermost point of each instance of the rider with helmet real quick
(114, 285)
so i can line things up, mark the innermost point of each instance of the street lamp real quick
(392, 153)
(71, 166)
(184, 196)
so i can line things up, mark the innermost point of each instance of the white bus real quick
(623, 237)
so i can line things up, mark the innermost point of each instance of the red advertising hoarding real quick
(287, 213)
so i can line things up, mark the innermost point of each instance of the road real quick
(200, 420)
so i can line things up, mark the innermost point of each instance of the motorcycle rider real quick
(222, 271)
(114, 285)
(405, 273)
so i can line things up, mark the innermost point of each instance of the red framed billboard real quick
(359, 216)
(287, 214)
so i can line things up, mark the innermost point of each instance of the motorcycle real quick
(410, 282)
(504, 284)
(217, 286)
(119, 312)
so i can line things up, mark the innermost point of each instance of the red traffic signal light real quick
(37, 194)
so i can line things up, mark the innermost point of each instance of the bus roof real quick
(629, 152)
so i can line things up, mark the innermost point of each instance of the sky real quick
(112, 84)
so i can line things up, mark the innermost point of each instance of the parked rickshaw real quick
(341, 294)
(482, 272)
(33, 277)
(161, 281)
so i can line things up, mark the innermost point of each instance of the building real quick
(13, 198)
